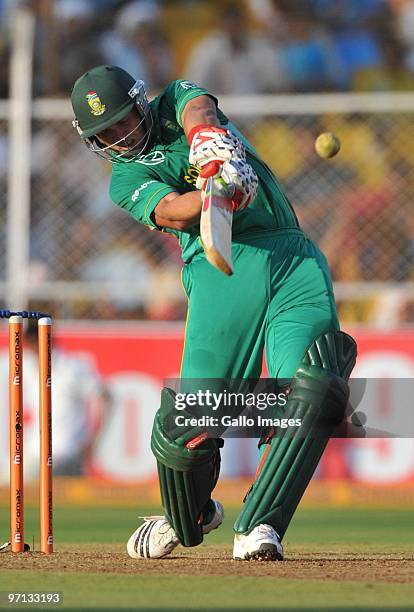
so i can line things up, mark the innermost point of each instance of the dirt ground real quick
(217, 561)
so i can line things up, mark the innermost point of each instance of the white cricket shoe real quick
(155, 538)
(216, 519)
(261, 544)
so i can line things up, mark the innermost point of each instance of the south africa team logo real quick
(94, 101)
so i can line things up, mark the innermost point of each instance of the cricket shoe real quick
(261, 544)
(155, 538)
(214, 516)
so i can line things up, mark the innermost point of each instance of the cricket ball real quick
(327, 145)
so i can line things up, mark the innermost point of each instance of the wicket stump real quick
(44, 323)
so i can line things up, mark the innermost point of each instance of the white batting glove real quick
(219, 153)
(213, 144)
(237, 173)
(239, 177)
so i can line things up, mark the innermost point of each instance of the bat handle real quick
(210, 169)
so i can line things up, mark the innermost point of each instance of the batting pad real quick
(318, 397)
(187, 476)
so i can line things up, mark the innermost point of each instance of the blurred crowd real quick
(358, 207)
(250, 46)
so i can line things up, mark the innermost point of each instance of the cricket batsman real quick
(279, 301)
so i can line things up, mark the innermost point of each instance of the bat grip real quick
(210, 169)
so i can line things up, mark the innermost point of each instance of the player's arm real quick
(217, 151)
(182, 211)
(177, 211)
(199, 111)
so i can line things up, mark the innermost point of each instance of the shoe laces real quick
(267, 531)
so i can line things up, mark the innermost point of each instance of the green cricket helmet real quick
(103, 96)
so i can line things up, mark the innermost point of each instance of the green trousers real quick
(279, 299)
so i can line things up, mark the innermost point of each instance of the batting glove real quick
(237, 173)
(219, 153)
(213, 144)
(239, 178)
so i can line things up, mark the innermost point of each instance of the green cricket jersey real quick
(138, 186)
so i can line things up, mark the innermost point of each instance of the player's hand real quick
(239, 175)
(239, 178)
(213, 144)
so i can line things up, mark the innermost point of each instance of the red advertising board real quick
(133, 360)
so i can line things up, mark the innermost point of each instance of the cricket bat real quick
(215, 225)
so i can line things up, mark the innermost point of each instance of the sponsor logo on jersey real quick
(94, 101)
(151, 159)
(170, 125)
(136, 193)
(191, 175)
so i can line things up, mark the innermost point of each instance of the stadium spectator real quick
(78, 28)
(232, 60)
(405, 30)
(357, 28)
(307, 55)
(268, 15)
(317, 45)
(317, 191)
(139, 45)
(393, 75)
(132, 258)
(362, 149)
(371, 232)
(266, 137)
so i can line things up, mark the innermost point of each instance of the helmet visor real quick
(131, 144)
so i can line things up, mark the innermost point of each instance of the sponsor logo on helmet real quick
(94, 101)
(188, 84)
(135, 89)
